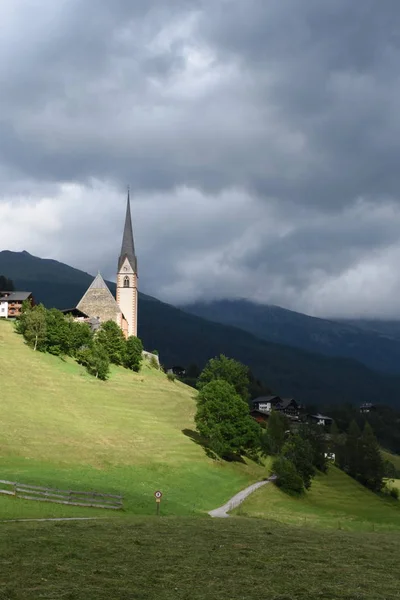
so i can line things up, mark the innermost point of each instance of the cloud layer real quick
(261, 141)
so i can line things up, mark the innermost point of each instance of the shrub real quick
(394, 493)
(171, 377)
(133, 353)
(154, 363)
(287, 477)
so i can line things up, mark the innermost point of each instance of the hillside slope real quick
(62, 428)
(375, 344)
(334, 501)
(182, 338)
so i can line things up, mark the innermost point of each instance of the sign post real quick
(158, 496)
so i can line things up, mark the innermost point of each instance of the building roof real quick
(285, 402)
(128, 246)
(319, 416)
(98, 301)
(266, 399)
(15, 296)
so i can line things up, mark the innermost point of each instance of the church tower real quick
(127, 293)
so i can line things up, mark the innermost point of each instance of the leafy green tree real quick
(58, 333)
(352, 451)
(96, 361)
(223, 419)
(33, 326)
(81, 336)
(111, 338)
(274, 436)
(300, 453)
(229, 370)
(287, 477)
(133, 353)
(371, 470)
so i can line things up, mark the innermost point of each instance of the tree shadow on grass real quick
(197, 439)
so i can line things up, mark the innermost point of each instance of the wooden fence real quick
(71, 497)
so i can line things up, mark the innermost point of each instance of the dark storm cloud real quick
(260, 139)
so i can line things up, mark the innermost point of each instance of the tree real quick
(316, 436)
(34, 327)
(133, 353)
(299, 451)
(58, 333)
(96, 360)
(274, 437)
(80, 337)
(352, 451)
(229, 370)
(223, 419)
(371, 469)
(111, 338)
(287, 477)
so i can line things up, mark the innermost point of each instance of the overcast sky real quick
(260, 138)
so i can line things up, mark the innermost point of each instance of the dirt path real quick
(222, 511)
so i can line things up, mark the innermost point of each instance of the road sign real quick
(158, 495)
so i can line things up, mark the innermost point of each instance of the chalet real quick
(319, 419)
(367, 407)
(265, 403)
(287, 406)
(11, 303)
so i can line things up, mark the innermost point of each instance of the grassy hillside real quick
(62, 428)
(236, 559)
(182, 338)
(334, 501)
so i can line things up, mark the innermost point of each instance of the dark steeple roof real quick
(128, 246)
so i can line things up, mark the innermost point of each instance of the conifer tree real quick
(352, 450)
(371, 462)
(274, 436)
(133, 353)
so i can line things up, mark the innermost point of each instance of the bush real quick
(154, 363)
(288, 480)
(133, 353)
(171, 377)
(394, 493)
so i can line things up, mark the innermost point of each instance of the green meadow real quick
(131, 435)
(335, 501)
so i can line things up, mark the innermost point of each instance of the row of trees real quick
(358, 454)
(49, 330)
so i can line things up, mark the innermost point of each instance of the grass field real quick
(198, 559)
(62, 428)
(334, 501)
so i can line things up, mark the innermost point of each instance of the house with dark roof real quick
(319, 419)
(287, 406)
(11, 303)
(367, 407)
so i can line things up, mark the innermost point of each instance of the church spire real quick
(128, 246)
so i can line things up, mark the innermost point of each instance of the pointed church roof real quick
(98, 301)
(128, 246)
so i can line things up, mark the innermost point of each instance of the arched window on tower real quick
(126, 281)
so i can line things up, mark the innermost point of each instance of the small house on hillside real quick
(319, 419)
(287, 406)
(11, 303)
(367, 407)
(265, 403)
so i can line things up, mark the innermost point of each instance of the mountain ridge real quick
(183, 338)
